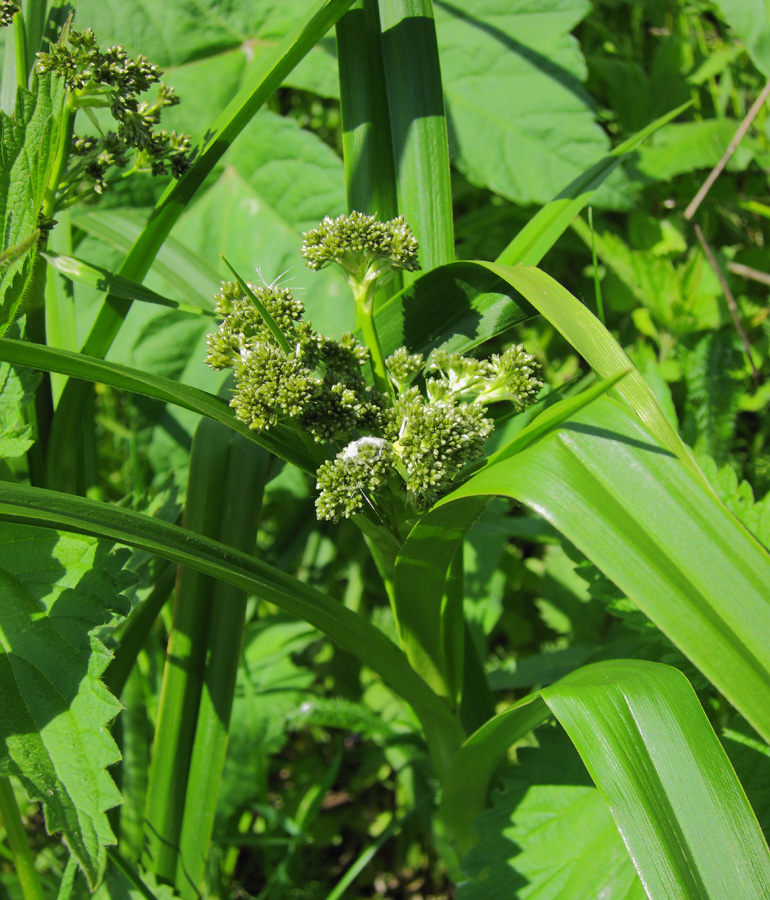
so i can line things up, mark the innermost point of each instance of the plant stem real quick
(364, 296)
(18, 842)
(236, 525)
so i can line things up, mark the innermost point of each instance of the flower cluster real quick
(319, 382)
(7, 11)
(430, 436)
(410, 435)
(112, 79)
(365, 249)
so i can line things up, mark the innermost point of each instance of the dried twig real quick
(733, 146)
(748, 272)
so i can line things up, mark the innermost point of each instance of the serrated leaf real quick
(521, 123)
(17, 388)
(549, 834)
(28, 140)
(59, 591)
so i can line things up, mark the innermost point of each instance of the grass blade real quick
(659, 534)
(52, 509)
(281, 440)
(651, 751)
(418, 126)
(100, 279)
(542, 231)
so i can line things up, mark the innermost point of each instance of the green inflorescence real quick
(319, 382)
(413, 440)
(112, 79)
(367, 250)
(7, 11)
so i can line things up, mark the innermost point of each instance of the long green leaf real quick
(100, 279)
(651, 751)
(280, 440)
(551, 221)
(352, 632)
(366, 138)
(418, 126)
(662, 537)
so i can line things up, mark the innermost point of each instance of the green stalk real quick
(268, 76)
(364, 299)
(134, 748)
(185, 661)
(29, 881)
(134, 635)
(236, 525)
(418, 124)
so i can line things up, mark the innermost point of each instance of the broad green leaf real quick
(59, 591)
(521, 123)
(351, 631)
(686, 146)
(267, 76)
(748, 19)
(650, 750)
(28, 139)
(279, 181)
(549, 833)
(475, 305)
(179, 38)
(549, 223)
(659, 534)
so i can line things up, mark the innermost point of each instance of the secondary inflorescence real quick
(112, 79)
(412, 440)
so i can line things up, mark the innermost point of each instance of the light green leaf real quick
(650, 750)
(748, 19)
(28, 139)
(204, 39)
(59, 592)
(521, 123)
(686, 146)
(549, 833)
(103, 280)
(659, 534)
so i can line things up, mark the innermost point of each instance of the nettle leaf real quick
(519, 120)
(549, 834)
(59, 592)
(17, 388)
(28, 140)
